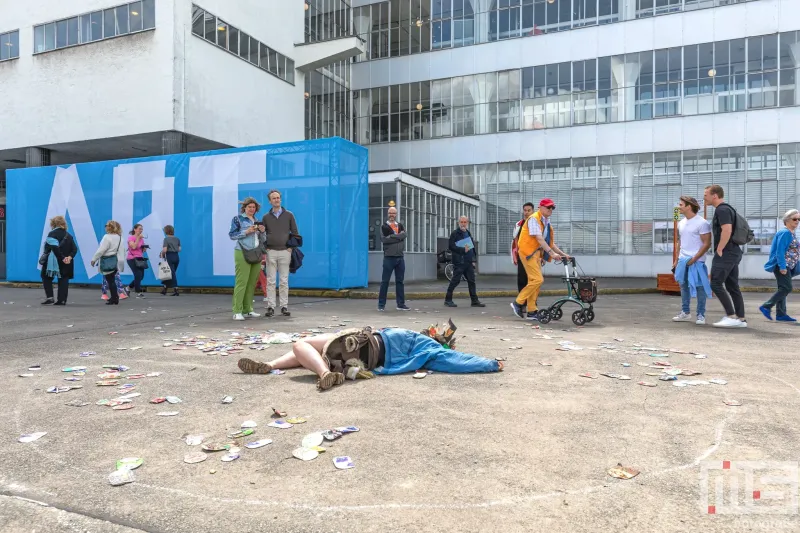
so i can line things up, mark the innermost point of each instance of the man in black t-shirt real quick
(727, 256)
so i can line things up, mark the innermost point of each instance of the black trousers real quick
(778, 300)
(173, 260)
(138, 275)
(113, 295)
(466, 269)
(63, 286)
(522, 276)
(725, 275)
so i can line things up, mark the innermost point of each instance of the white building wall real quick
(222, 97)
(165, 79)
(111, 88)
(722, 130)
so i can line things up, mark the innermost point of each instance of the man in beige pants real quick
(280, 225)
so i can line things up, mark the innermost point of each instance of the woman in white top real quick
(111, 246)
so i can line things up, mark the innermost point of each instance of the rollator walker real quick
(581, 290)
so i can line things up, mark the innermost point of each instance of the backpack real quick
(742, 234)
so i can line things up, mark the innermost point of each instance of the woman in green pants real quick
(247, 234)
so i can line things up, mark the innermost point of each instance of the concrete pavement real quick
(523, 450)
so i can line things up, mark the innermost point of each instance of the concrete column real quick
(626, 75)
(362, 25)
(173, 142)
(795, 50)
(481, 91)
(625, 171)
(37, 157)
(627, 10)
(482, 20)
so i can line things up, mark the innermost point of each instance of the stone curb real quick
(360, 294)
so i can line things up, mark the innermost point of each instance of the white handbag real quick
(164, 272)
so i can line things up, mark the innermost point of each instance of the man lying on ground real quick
(360, 352)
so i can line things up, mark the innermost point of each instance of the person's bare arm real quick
(706, 238)
(727, 231)
(677, 247)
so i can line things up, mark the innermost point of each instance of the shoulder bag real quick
(110, 263)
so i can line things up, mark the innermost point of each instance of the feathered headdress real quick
(444, 335)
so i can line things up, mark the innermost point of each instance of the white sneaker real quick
(682, 317)
(728, 322)
(238, 316)
(252, 314)
(701, 320)
(265, 300)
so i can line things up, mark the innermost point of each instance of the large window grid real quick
(327, 20)
(403, 27)
(736, 75)
(9, 45)
(216, 31)
(426, 216)
(623, 204)
(329, 105)
(133, 17)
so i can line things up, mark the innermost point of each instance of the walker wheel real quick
(544, 316)
(589, 315)
(579, 317)
(557, 314)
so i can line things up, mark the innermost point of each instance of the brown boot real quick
(330, 379)
(248, 366)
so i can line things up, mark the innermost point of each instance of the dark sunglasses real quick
(796, 220)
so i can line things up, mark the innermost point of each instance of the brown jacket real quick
(348, 344)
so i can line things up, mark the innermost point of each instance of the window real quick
(215, 31)
(128, 18)
(692, 80)
(9, 45)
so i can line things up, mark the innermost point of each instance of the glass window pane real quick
(14, 43)
(233, 40)
(38, 39)
(5, 46)
(263, 58)
(222, 34)
(61, 34)
(290, 71)
(135, 16)
(50, 36)
(281, 67)
(86, 29)
(244, 45)
(273, 61)
(72, 31)
(198, 26)
(97, 26)
(210, 23)
(149, 14)
(253, 57)
(122, 20)
(109, 24)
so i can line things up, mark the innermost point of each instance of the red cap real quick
(547, 202)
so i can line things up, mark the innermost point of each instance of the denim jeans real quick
(173, 260)
(686, 297)
(398, 266)
(407, 351)
(778, 300)
(138, 275)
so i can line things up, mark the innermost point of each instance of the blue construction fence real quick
(323, 182)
